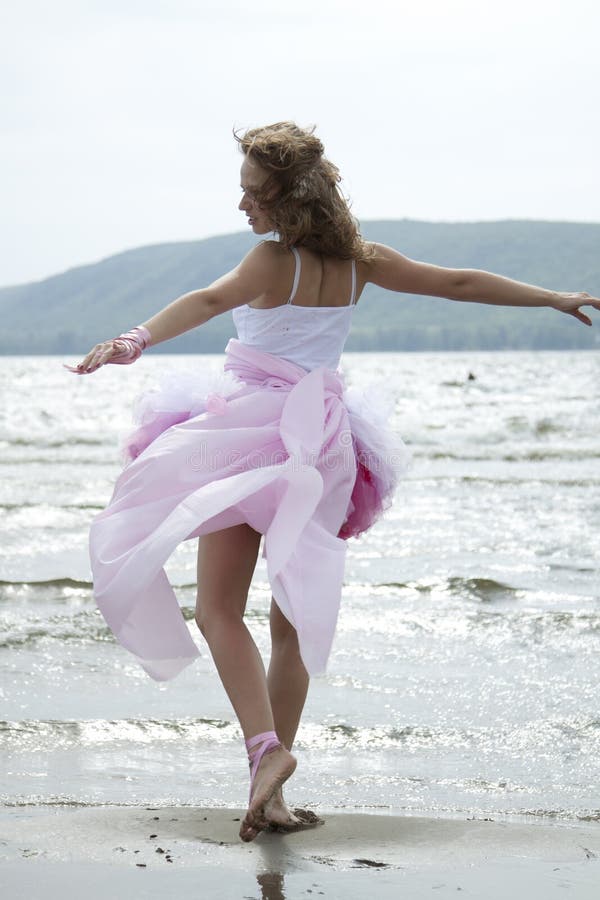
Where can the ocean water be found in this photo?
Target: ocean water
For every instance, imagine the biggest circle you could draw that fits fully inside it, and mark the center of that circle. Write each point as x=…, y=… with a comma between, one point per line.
x=464, y=675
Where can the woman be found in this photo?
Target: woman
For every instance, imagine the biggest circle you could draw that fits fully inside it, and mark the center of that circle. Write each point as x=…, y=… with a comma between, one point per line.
x=280, y=451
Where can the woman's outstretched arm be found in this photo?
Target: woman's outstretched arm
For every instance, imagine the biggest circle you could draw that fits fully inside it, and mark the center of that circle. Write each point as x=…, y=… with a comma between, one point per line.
x=395, y=272
x=241, y=285
x=244, y=283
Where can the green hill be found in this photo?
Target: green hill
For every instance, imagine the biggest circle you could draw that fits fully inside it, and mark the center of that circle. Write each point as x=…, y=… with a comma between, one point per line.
x=69, y=312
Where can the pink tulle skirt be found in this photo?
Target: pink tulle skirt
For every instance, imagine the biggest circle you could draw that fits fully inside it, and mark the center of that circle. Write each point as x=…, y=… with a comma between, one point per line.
x=305, y=461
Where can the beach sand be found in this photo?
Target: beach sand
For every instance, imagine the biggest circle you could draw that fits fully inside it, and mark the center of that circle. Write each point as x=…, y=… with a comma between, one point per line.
x=130, y=852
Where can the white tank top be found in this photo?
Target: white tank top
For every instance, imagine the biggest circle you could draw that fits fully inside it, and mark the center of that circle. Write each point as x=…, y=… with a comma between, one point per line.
x=310, y=336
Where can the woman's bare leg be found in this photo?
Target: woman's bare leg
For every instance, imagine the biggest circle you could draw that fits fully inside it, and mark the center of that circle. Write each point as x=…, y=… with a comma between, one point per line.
x=288, y=683
x=287, y=680
x=226, y=561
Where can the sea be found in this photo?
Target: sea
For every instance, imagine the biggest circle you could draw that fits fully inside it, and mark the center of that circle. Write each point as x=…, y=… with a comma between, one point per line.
x=464, y=677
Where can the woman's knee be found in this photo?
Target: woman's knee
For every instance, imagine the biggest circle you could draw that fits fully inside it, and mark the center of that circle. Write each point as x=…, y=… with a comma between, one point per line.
x=283, y=633
x=200, y=619
x=217, y=615
x=226, y=561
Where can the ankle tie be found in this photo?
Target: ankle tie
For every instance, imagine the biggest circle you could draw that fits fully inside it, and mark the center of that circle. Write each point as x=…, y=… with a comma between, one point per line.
x=257, y=747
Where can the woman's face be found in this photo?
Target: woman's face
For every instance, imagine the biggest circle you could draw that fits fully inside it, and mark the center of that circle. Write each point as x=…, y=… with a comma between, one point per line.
x=252, y=176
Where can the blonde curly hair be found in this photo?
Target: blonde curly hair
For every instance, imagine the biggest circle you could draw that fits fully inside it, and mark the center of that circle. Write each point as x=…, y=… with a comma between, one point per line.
x=302, y=193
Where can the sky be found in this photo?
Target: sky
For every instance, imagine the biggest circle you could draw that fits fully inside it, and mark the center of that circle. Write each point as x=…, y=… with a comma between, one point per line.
x=116, y=116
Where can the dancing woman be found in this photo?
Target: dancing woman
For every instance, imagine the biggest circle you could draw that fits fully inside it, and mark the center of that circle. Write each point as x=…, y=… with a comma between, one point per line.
x=278, y=449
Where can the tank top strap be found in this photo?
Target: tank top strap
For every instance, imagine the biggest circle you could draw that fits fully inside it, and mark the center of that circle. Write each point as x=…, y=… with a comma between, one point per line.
x=353, y=292
x=297, y=271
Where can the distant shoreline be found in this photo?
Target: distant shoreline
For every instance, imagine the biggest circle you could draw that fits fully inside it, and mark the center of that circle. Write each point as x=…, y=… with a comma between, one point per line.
x=182, y=353
x=84, y=305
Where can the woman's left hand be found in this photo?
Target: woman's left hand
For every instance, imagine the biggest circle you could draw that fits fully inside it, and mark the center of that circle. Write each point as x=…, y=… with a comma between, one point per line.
x=571, y=303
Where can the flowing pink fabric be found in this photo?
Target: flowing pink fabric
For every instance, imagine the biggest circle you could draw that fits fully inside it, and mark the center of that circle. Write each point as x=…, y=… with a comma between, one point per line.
x=282, y=452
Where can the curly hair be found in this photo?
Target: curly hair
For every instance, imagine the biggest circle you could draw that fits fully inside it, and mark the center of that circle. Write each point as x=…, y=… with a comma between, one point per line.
x=302, y=193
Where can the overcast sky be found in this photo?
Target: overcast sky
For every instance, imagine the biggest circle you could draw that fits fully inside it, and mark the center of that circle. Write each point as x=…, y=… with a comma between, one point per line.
x=116, y=115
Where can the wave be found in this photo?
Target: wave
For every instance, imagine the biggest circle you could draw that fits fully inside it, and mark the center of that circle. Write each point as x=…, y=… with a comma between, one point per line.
x=25, y=505
x=31, y=734
x=569, y=733
x=88, y=628
x=82, y=627
x=22, y=461
x=475, y=605
x=52, y=582
x=72, y=441
x=486, y=590
x=529, y=479
x=573, y=453
x=471, y=812
x=91, y=804
x=522, y=425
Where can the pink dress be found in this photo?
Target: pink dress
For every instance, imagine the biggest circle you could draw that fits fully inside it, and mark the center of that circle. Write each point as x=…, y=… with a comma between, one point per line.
x=277, y=442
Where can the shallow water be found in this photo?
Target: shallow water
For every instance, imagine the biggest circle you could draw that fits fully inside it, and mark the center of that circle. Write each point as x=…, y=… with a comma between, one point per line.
x=464, y=674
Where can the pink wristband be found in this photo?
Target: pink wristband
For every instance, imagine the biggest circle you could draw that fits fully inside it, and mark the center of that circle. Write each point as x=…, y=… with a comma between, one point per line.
x=135, y=342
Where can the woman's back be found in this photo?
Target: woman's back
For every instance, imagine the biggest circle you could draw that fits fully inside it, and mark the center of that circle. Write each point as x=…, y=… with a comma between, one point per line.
x=324, y=281
x=310, y=327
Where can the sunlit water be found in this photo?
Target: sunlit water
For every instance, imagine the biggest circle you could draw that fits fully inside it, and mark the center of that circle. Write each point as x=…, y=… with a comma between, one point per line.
x=464, y=676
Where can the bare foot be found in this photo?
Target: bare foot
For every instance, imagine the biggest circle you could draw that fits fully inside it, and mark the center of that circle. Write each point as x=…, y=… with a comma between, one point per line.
x=277, y=812
x=286, y=821
x=275, y=768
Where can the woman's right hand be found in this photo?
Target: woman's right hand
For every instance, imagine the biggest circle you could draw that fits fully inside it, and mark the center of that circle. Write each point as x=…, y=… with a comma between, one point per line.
x=122, y=350
x=98, y=356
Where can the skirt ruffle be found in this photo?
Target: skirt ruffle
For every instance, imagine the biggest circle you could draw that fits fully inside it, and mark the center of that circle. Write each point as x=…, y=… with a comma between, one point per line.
x=381, y=456
x=304, y=461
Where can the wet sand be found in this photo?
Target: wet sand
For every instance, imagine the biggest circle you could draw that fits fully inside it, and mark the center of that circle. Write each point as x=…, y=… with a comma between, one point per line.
x=146, y=853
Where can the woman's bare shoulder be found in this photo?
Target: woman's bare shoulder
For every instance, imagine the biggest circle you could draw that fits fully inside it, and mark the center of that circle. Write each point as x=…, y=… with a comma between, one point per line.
x=266, y=257
x=273, y=249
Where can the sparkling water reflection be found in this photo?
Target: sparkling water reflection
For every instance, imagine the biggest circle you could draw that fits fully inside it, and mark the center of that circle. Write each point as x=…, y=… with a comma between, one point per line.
x=465, y=669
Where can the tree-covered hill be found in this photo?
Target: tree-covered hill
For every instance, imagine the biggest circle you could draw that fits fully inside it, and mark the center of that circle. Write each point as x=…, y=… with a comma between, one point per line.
x=69, y=312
